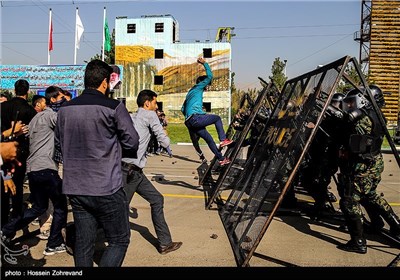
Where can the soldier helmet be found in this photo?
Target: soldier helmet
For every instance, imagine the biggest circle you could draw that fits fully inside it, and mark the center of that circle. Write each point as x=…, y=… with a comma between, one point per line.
x=337, y=99
x=355, y=99
x=377, y=93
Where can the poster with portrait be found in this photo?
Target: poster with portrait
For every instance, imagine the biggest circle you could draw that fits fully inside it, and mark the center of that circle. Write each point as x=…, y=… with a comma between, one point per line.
x=115, y=78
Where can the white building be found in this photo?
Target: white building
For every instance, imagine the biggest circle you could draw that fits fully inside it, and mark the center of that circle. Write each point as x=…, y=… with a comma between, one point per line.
x=153, y=58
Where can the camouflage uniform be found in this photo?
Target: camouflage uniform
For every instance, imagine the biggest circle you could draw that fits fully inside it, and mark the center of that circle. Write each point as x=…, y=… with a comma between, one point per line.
x=363, y=176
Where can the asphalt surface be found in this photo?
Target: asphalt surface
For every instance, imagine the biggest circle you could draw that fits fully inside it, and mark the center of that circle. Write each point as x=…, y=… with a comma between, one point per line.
x=291, y=241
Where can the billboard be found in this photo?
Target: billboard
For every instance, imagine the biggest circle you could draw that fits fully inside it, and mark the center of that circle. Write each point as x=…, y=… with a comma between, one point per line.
x=42, y=76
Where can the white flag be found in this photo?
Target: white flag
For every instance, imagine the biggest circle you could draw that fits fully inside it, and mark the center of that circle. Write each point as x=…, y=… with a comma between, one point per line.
x=78, y=30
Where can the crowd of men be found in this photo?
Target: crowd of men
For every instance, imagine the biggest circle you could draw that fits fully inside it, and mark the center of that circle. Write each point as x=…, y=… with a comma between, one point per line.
x=72, y=150
x=90, y=151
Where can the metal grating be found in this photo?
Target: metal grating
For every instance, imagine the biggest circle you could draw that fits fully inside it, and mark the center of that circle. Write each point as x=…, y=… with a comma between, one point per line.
x=255, y=190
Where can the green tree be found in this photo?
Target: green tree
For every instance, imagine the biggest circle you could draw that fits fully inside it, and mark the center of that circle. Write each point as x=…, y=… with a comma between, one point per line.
x=109, y=57
x=344, y=86
x=233, y=86
x=235, y=96
x=278, y=73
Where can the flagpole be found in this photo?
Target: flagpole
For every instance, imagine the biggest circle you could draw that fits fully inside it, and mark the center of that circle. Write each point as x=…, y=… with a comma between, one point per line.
x=76, y=33
x=102, y=45
x=50, y=39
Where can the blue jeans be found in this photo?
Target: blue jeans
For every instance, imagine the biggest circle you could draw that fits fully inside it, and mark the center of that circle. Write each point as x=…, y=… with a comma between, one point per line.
x=198, y=123
x=109, y=212
x=142, y=186
x=44, y=185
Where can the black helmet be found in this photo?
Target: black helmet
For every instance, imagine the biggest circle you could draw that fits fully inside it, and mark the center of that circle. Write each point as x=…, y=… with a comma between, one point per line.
x=337, y=99
x=377, y=93
x=355, y=99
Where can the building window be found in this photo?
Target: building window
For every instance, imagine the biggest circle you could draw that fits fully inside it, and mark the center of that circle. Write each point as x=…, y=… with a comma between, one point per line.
x=131, y=27
x=207, y=106
x=207, y=53
x=158, y=79
x=158, y=53
x=159, y=27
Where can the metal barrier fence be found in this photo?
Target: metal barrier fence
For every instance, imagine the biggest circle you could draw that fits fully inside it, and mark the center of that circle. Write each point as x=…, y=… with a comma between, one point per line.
x=250, y=189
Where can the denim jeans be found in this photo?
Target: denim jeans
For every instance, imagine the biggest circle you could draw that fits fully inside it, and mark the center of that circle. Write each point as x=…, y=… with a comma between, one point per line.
x=143, y=187
x=198, y=124
x=44, y=185
x=109, y=212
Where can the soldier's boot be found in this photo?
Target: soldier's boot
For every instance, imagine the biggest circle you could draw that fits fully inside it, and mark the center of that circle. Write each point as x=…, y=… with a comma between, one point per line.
x=357, y=243
x=375, y=219
x=394, y=222
x=331, y=196
x=376, y=224
x=320, y=198
x=289, y=200
x=317, y=209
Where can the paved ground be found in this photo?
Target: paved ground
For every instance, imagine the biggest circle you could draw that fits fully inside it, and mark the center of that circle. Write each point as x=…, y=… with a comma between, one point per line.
x=290, y=241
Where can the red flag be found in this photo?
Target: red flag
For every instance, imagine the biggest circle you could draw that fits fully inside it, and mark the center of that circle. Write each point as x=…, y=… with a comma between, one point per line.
x=51, y=36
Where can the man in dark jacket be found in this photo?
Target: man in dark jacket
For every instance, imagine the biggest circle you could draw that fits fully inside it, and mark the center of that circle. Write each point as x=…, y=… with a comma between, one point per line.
x=92, y=131
x=16, y=109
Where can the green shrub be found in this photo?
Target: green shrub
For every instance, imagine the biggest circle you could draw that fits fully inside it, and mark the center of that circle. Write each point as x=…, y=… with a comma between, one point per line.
x=178, y=133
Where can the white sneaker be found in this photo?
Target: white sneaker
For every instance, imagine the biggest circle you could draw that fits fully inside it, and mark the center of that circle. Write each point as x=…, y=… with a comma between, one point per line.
x=35, y=222
x=44, y=235
x=57, y=250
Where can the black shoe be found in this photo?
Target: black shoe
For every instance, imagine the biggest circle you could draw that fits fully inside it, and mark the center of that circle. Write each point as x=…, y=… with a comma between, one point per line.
x=169, y=248
x=344, y=227
x=331, y=197
x=357, y=246
x=323, y=210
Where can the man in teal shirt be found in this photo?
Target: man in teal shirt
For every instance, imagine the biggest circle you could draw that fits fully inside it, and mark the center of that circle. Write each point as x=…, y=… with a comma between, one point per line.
x=196, y=120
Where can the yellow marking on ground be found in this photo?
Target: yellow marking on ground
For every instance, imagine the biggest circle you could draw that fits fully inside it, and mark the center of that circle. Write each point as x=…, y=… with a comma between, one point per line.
x=184, y=195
